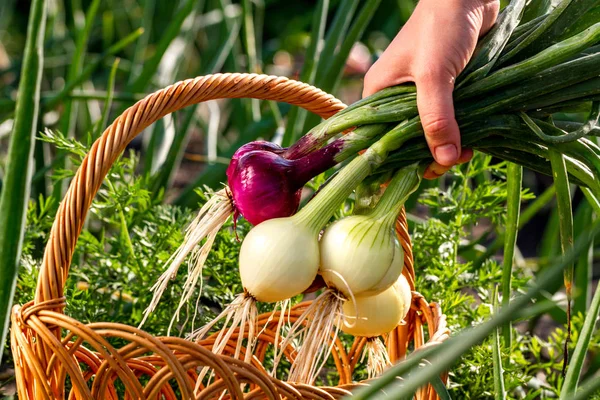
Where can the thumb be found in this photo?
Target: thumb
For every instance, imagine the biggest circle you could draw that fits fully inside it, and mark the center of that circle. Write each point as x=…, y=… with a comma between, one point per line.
x=436, y=109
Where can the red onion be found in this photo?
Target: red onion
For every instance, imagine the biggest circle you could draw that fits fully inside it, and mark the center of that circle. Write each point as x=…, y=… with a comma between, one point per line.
x=266, y=185
x=252, y=146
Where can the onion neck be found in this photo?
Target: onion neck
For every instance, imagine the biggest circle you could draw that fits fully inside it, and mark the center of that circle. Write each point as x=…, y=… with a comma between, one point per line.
x=405, y=182
x=322, y=207
x=315, y=163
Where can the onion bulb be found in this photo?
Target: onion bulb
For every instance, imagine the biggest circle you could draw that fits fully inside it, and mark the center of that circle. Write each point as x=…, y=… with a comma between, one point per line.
x=360, y=254
x=279, y=259
x=266, y=181
x=373, y=316
x=402, y=287
x=266, y=185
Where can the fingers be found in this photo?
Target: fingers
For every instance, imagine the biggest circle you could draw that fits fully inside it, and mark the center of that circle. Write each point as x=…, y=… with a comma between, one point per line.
x=376, y=78
x=436, y=170
x=391, y=69
x=490, y=14
x=431, y=50
x=434, y=101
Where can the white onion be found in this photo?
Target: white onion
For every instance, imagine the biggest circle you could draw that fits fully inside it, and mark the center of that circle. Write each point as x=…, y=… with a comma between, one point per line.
x=402, y=287
x=379, y=314
x=360, y=254
x=279, y=259
x=392, y=275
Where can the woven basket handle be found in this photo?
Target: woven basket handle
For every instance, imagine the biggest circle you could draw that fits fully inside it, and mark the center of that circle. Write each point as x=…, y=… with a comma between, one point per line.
x=88, y=179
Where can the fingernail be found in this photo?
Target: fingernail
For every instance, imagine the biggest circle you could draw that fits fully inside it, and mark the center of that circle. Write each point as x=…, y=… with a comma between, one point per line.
x=446, y=154
x=437, y=169
x=431, y=173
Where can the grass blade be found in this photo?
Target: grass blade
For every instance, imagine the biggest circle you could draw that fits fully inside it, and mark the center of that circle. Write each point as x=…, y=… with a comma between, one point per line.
x=87, y=71
x=76, y=65
x=15, y=194
x=592, y=199
x=331, y=76
x=583, y=343
x=499, y=388
x=337, y=32
x=164, y=175
x=591, y=387
x=160, y=136
x=440, y=388
x=584, y=268
x=445, y=354
x=250, y=45
x=259, y=26
x=224, y=50
x=334, y=72
x=565, y=219
x=172, y=31
x=513, y=206
x=148, y=7
x=249, y=37
x=535, y=207
x=549, y=245
x=297, y=116
x=101, y=124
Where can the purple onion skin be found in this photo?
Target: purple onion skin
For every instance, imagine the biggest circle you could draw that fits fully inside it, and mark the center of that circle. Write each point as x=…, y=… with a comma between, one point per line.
x=265, y=185
x=261, y=188
x=252, y=146
x=304, y=146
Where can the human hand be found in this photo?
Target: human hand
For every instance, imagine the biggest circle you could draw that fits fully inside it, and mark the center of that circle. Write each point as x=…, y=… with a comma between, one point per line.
x=432, y=48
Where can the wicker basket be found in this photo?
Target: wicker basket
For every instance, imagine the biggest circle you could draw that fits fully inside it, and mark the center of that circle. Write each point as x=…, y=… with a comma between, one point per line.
x=57, y=356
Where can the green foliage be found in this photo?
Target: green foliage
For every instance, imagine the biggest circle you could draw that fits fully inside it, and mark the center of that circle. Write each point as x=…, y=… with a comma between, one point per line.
x=464, y=291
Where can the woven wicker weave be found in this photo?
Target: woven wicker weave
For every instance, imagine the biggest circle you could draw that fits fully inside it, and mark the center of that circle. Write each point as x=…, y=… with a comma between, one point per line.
x=58, y=357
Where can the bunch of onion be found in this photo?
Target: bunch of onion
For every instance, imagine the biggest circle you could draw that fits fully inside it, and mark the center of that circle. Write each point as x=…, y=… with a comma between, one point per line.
x=281, y=257
x=506, y=102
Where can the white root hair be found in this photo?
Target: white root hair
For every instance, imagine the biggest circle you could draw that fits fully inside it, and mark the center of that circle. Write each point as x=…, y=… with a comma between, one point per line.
x=377, y=357
x=322, y=319
x=239, y=315
x=207, y=224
